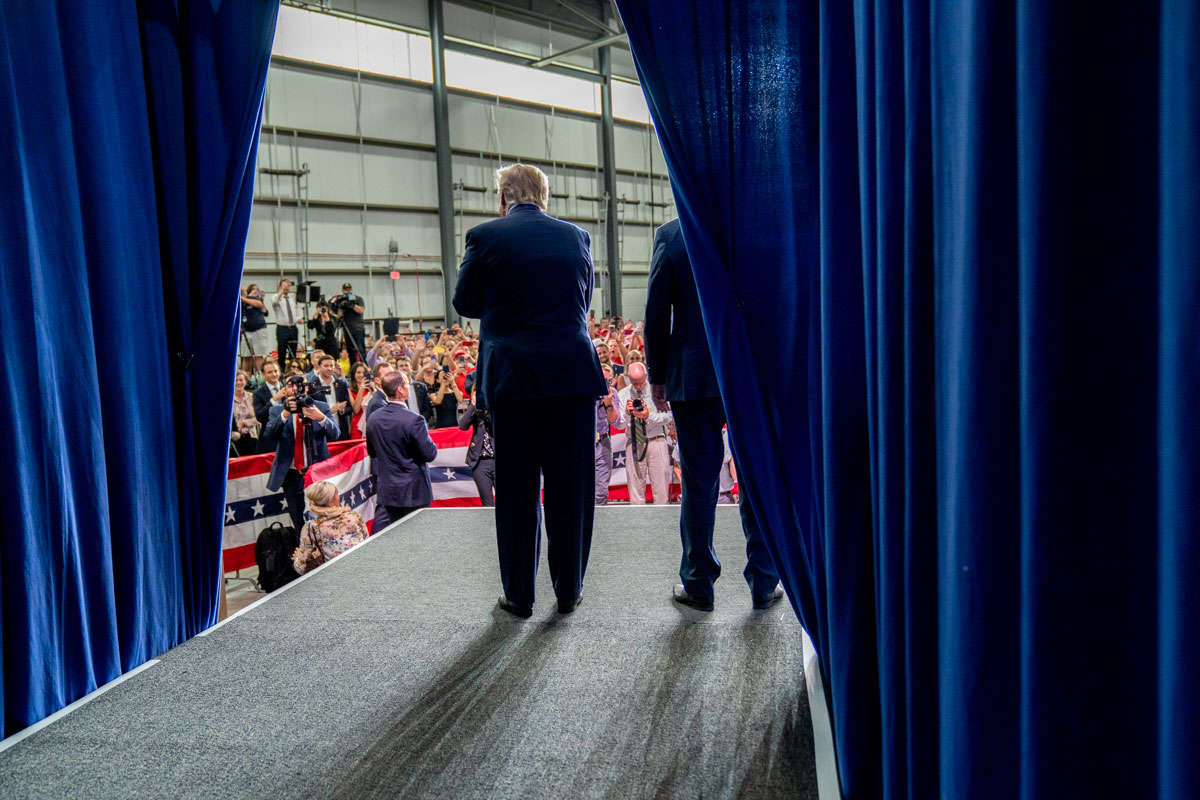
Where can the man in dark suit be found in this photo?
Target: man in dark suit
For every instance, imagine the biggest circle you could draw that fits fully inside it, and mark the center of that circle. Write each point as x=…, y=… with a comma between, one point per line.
x=681, y=371
x=269, y=392
x=299, y=435
x=528, y=277
x=400, y=449
x=337, y=391
x=378, y=399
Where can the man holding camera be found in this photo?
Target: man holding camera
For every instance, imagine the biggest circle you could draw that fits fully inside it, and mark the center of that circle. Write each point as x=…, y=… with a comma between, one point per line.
x=324, y=328
x=647, y=452
x=255, y=337
x=528, y=278
x=682, y=372
x=350, y=308
x=299, y=427
x=286, y=332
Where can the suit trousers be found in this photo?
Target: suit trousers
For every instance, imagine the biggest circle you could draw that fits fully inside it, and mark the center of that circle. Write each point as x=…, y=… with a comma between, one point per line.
x=550, y=437
x=654, y=468
x=286, y=337
x=701, y=451
x=293, y=493
x=485, y=481
x=603, y=469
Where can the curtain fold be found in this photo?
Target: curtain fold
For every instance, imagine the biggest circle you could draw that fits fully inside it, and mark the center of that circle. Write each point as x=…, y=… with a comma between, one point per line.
x=948, y=255
x=107, y=558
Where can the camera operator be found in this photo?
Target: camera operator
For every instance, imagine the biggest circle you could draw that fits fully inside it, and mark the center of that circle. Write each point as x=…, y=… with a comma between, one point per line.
x=286, y=333
x=350, y=308
x=608, y=416
x=647, y=454
x=324, y=328
x=299, y=428
x=334, y=391
x=256, y=339
x=481, y=454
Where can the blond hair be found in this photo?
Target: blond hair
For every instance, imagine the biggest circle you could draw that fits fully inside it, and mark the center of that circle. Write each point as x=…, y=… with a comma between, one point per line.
x=521, y=183
x=322, y=494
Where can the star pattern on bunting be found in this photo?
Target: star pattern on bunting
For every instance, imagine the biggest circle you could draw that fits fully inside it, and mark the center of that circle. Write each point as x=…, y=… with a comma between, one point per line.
x=257, y=508
x=229, y=515
x=618, y=459
x=449, y=473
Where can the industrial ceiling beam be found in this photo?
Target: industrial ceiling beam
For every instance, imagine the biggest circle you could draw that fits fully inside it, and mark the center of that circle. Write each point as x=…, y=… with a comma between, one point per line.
x=602, y=26
x=583, y=48
x=445, y=178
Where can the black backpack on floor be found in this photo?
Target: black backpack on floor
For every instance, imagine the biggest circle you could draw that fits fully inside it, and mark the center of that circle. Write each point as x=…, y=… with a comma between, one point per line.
x=273, y=554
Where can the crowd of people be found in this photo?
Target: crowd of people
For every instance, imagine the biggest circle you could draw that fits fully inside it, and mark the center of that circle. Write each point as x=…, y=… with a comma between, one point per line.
x=440, y=366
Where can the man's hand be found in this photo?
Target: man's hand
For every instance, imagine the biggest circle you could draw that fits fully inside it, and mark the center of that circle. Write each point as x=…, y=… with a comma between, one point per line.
x=607, y=401
x=340, y=406
x=629, y=405
x=658, y=393
x=643, y=414
x=313, y=413
x=275, y=398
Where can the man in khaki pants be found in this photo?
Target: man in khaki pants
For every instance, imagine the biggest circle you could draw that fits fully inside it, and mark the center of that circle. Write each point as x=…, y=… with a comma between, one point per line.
x=647, y=451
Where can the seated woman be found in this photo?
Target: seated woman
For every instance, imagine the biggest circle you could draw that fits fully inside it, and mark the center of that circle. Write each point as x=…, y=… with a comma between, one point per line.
x=335, y=530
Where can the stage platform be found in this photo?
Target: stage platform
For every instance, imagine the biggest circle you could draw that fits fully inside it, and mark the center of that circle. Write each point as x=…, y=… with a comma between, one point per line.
x=388, y=673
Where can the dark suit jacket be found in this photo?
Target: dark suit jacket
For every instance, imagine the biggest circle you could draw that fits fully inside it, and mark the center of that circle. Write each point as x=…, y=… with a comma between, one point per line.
x=471, y=417
x=282, y=435
x=400, y=449
x=262, y=403
x=677, y=351
x=528, y=278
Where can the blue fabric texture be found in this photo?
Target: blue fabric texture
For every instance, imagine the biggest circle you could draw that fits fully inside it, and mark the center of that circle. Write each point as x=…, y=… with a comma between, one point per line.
x=129, y=134
x=948, y=262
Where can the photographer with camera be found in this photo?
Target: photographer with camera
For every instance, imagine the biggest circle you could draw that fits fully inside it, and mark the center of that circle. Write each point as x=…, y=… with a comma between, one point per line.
x=481, y=454
x=299, y=427
x=324, y=328
x=256, y=340
x=349, y=308
x=334, y=391
x=445, y=399
x=647, y=453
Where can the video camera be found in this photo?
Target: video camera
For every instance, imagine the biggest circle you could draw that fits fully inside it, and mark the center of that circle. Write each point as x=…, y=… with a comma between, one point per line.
x=306, y=393
x=341, y=303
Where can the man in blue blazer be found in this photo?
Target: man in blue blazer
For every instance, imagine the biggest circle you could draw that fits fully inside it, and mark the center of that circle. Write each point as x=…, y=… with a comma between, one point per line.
x=400, y=449
x=294, y=454
x=681, y=371
x=528, y=277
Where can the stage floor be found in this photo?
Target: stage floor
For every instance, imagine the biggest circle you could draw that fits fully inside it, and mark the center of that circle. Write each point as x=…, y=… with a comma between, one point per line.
x=388, y=673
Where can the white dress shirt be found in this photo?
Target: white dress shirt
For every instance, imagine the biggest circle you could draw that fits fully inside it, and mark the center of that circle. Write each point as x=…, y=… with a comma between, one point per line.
x=656, y=423
x=285, y=309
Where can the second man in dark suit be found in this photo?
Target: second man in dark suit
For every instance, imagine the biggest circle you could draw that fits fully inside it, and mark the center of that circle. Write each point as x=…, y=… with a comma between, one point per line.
x=681, y=371
x=528, y=277
x=400, y=449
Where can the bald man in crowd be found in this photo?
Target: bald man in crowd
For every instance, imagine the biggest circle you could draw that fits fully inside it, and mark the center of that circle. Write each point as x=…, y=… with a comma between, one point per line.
x=647, y=451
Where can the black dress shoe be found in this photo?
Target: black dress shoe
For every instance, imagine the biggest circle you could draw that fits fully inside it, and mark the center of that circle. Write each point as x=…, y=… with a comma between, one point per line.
x=567, y=608
x=763, y=602
x=524, y=612
x=681, y=596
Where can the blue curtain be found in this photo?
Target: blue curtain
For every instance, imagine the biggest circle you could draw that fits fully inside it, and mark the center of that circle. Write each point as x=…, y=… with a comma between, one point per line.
x=128, y=133
x=948, y=254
